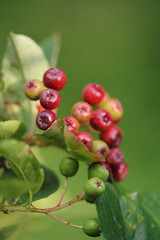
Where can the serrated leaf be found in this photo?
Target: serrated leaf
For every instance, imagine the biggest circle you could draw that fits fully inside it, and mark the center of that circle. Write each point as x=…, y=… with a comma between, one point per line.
x=23, y=163
x=110, y=215
x=23, y=60
x=59, y=135
x=140, y=214
x=12, y=129
x=51, y=47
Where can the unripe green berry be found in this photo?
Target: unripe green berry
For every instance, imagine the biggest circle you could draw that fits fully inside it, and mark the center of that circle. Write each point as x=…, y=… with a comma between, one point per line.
x=94, y=187
x=92, y=227
x=114, y=107
x=98, y=171
x=68, y=167
x=33, y=89
x=100, y=148
x=89, y=199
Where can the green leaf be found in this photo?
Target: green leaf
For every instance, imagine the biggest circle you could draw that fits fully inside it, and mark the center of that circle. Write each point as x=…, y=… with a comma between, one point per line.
x=23, y=60
x=7, y=232
x=59, y=135
x=51, y=47
x=23, y=163
x=50, y=185
x=12, y=129
x=129, y=215
x=110, y=215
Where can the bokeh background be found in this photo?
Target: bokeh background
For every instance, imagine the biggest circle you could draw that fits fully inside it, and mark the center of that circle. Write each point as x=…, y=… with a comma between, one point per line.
x=113, y=43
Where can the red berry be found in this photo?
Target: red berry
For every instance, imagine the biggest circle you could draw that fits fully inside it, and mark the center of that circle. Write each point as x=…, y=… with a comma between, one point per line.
x=50, y=99
x=121, y=172
x=55, y=78
x=115, y=157
x=104, y=99
x=86, y=139
x=114, y=107
x=82, y=111
x=72, y=124
x=112, y=136
x=45, y=119
x=101, y=119
x=93, y=93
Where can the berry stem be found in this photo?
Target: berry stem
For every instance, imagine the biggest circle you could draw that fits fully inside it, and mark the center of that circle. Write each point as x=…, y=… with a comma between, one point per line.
x=63, y=221
x=63, y=192
x=74, y=200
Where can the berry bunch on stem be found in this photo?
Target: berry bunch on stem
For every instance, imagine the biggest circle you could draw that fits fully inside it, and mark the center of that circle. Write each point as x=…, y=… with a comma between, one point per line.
x=102, y=120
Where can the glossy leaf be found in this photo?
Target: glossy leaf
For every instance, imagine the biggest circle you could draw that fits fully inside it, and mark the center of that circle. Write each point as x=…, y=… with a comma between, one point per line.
x=59, y=135
x=51, y=47
x=23, y=163
x=23, y=60
x=12, y=129
x=128, y=215
x=110, y=215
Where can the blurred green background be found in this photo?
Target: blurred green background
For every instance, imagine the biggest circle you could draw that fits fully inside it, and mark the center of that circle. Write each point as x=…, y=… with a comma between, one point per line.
x=115, y=44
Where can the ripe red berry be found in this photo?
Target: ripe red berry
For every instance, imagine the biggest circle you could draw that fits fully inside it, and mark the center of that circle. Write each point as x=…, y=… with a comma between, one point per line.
x=86, y=139
x=82, y=111
x=93, y=93
x=45, y=119
x=121, y=172
x=101, y=119
x=115, y=157
x=72, y=124
x=114, y=107
x=55, y=78
x=50, y=99
x=112, y=136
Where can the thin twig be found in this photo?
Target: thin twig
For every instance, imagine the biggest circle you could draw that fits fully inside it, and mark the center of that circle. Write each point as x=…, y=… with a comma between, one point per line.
x=63, y=192
x=63, y=221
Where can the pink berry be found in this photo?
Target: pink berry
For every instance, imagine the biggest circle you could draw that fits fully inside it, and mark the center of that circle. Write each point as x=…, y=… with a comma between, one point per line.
x=72, y=124
x=121, y=172
x=115, y=157
x=86, y=139
x=114, y=107
x=50, y=99
x=45, y=119
x=82, y=111
x=101, y=119
x=93, y=93
x=112, y=136
x=55, y=78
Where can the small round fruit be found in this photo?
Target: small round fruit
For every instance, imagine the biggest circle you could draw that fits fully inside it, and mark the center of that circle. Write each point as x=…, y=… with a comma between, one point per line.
x=91, y=227
x=114, y=107
x=86, y=139
x=33, y=89
x=50, y=99
x=115, y=157
x=106, y=166
x=93, y=93
x=121, y=172
x=55, y=78
x=68, y=167
x=100, y=148
x=112, y=136
x=94, y=187
x=101, y=119
x=98, y=171
x=45, y=119
x=82, y=111
x=104, y=99
x=72, y=124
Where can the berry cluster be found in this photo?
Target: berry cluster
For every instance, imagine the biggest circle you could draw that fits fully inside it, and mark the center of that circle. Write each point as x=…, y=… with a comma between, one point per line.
x=102, y=119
